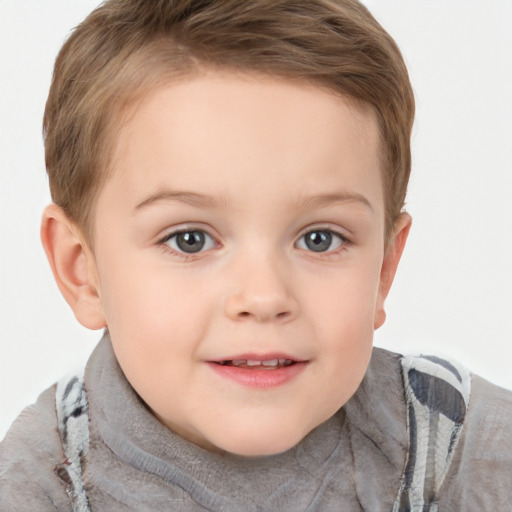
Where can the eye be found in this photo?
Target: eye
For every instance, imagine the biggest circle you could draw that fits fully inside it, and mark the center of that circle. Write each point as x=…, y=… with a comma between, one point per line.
x=189, y=241
x=321, y=240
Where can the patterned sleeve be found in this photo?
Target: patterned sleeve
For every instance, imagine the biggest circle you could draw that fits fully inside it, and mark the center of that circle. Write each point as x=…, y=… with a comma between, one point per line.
x=28, y=456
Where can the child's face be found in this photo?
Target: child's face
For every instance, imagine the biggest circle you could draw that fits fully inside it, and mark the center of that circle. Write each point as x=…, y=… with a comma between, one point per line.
x=243, y=226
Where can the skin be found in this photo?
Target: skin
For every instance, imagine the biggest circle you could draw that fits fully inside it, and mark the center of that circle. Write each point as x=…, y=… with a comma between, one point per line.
x=255, y=164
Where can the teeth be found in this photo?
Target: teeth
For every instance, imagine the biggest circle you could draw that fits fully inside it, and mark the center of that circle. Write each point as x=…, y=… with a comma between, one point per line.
x=270, y=363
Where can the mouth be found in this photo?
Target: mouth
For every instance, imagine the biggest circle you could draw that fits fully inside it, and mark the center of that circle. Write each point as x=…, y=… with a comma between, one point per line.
x=256, y=364
x=259, y=371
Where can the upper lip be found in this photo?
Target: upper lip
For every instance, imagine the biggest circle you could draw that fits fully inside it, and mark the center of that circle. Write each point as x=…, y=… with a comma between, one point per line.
x=258, y=357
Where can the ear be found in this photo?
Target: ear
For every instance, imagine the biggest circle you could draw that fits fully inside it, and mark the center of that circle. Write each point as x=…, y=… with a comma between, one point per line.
x=73, y=266
x=392, y=256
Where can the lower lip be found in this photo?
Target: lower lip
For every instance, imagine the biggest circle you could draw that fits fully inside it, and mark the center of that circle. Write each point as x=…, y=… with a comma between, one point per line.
x=259, y=378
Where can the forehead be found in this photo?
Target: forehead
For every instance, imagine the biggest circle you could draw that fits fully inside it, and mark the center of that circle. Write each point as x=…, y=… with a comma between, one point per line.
x=220, y=133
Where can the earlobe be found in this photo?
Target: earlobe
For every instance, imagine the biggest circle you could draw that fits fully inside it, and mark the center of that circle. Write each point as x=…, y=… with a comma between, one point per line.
x=390, y=264
x=72, y=265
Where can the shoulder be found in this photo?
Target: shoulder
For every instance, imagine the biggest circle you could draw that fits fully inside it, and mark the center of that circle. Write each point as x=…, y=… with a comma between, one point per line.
x=480, y=477
x=490, y=404
x=490, y=415
x=474, y=416
x=28, y=455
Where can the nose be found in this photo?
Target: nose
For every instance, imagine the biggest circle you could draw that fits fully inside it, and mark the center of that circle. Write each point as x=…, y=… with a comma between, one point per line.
x=261, y=291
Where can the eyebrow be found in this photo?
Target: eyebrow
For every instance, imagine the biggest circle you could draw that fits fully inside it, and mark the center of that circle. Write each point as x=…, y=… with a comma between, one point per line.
x=205, y=201
x=192, y=198
x=321, y=200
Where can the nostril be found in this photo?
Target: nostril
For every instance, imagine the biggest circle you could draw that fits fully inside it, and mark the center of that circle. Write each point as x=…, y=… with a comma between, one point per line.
x=245, y=314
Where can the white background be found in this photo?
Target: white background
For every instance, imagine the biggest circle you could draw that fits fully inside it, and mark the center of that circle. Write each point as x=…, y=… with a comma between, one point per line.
x=452, y=294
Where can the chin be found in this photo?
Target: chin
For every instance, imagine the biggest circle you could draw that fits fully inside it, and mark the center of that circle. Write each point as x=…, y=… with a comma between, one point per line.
x=259, y=443
x=260, y=449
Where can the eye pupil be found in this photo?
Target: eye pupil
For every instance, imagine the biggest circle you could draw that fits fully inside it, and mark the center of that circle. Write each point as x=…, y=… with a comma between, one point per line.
x=318, y=241
x=190, y=241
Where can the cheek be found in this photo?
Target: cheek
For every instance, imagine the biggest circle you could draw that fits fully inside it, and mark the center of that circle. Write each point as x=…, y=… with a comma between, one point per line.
x=345, y=300
x=343, y=311
x=156, y=317
x=143, y=294
x=154, y=335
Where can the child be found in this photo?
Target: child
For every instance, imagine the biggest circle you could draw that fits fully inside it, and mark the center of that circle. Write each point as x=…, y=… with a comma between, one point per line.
x=228, y=182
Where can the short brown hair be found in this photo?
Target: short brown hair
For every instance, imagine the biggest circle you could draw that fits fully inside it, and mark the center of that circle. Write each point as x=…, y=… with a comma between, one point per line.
x=126, y=47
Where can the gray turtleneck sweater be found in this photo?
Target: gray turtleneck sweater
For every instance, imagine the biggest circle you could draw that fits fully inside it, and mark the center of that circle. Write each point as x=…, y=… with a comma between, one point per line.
x=352, y=462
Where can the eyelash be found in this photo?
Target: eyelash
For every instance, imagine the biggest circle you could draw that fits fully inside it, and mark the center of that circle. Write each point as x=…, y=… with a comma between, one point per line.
x=176, y=251
x=164, y=243
x=343, y=241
